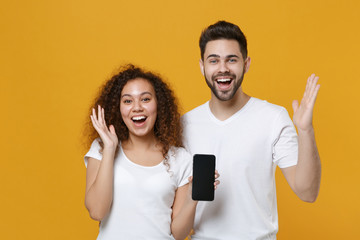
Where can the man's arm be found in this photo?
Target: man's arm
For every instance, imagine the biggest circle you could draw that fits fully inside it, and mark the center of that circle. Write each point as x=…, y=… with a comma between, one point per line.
x=304, y=178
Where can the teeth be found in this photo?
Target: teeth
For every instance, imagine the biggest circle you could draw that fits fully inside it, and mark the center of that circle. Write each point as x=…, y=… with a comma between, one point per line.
x=224, y=80
x=138, y=118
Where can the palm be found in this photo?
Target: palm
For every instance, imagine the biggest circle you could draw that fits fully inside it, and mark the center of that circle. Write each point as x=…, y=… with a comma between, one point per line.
x=107, y=135
x=303, y=114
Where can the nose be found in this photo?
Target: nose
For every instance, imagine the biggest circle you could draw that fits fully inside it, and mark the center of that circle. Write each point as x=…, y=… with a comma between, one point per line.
x=223, y=67
x=137, y=106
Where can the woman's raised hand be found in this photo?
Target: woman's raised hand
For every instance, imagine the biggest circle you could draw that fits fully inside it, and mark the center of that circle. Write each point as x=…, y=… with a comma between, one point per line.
x=107, y=135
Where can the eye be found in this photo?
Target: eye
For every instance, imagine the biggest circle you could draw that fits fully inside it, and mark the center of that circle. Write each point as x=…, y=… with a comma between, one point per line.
x=127, y=101
x=232, y=60
x=213, y=61
x=146, y=99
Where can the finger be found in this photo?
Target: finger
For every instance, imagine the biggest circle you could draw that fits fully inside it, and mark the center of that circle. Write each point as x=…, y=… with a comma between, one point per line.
x=216, y=183
x=313, y=86
x=94, y=113
x=307, y=86
x=93, y=116
x=314, y=96
x=190, y=179
x=112, y=130
x=295, y=105
x=103, y=116
x=94, y=123
x=97, y=119
x=99, y=114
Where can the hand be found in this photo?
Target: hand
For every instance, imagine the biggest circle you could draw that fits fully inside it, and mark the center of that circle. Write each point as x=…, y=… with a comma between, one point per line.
x=107, y=135
x=303, y=114
x=216, y=182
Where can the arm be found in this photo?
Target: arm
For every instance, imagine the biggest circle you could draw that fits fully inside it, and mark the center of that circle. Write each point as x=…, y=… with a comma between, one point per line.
x=304, y=178
x=184, y=210
x=100, y=174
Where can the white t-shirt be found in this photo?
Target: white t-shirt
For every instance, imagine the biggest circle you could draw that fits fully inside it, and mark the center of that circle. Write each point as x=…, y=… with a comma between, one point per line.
x=248, y=146
x=143, y=196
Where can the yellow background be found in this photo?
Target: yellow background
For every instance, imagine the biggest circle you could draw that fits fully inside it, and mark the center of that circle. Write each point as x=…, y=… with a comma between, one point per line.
x=55, y=54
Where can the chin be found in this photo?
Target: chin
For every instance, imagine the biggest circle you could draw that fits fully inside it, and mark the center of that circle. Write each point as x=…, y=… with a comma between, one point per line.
x=141, y=132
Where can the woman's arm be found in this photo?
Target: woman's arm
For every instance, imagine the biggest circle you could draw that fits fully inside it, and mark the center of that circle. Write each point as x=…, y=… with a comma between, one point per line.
x=99, y=186
x=100, y=174
x=184, y=210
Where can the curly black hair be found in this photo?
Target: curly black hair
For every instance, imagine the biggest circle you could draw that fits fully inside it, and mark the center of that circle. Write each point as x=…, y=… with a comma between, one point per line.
x=168, y=127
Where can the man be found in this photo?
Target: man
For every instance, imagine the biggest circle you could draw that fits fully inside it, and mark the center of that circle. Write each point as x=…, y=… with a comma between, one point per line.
x=249, y=138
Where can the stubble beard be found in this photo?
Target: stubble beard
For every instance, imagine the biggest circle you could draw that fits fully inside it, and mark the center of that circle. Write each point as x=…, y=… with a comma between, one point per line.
x=224, y=95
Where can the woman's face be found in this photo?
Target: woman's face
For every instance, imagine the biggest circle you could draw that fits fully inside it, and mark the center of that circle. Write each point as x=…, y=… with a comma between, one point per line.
x=138, y=107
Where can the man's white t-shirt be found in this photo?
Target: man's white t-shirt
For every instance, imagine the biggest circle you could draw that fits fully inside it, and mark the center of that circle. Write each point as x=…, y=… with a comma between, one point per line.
x=248, y=146
x=143, y=196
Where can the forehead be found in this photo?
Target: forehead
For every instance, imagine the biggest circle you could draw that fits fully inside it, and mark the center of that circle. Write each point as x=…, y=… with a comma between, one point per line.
x=222, y=48
x=138, y=86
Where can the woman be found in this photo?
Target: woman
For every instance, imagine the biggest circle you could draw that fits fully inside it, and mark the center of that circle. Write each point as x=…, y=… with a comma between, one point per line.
x=137, y=173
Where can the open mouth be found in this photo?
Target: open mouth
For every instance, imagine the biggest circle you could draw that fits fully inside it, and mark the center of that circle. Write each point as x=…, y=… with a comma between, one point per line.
x=224, y=82
x=139, y=119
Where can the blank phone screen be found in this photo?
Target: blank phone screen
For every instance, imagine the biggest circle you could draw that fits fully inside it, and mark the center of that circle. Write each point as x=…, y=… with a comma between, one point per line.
x=203, y=177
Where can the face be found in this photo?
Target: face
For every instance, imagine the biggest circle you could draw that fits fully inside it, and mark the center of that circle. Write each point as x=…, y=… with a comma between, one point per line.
x=138, y=107
x=224, y=67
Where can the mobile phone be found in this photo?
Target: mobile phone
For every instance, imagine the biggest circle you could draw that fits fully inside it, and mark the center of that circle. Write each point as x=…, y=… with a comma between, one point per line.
x=203, y=177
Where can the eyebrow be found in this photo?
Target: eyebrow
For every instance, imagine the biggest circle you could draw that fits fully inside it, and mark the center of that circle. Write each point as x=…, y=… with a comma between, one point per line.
x=129, y=95
x=218, y=56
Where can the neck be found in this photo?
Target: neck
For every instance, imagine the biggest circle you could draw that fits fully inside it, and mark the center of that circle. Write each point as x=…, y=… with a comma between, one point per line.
x=140, y=142
x=222, y=110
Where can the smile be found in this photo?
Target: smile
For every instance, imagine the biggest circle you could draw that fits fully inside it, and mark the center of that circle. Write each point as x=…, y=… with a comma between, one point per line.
x=224, y=83
x=139, y=119
x=224, y=80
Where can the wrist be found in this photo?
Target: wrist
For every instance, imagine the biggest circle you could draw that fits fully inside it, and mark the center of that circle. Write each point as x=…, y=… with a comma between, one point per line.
x=307, y=131
x=109, y=149
x=191, y=201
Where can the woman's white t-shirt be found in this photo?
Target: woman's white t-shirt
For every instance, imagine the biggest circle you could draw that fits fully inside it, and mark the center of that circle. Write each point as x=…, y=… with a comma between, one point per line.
x=143, y=196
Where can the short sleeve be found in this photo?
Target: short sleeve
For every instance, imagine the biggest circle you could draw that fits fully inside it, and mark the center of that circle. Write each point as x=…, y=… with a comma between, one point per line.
x=182, y=166
x=94, y=151
x=285, y=146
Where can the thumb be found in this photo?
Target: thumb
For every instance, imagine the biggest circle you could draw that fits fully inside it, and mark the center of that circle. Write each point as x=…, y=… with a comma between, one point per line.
x=295, y=105
x=112, y=129
x=190, y=179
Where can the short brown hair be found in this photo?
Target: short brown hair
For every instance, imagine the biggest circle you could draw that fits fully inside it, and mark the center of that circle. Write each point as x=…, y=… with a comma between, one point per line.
x=223, y=30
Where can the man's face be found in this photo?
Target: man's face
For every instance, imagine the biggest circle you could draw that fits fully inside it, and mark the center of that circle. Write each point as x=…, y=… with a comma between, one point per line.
x=223, y=67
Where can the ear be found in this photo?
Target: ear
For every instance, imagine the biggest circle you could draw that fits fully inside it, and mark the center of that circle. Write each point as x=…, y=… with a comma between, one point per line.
x=201, y=63
x=247, y=64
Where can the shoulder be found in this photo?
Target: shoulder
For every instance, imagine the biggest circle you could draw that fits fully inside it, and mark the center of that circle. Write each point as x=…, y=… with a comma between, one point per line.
x=266, y=106
x=179, y=158
x=94, y=151
x=263, y=109
x=196, y=112
x=180, y=162
x=179, y=154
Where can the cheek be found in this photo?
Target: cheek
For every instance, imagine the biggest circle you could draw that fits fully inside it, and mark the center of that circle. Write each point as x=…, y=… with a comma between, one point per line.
x=153, y=109
x=239, y=69
x=208, y=72
x=124, y=111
